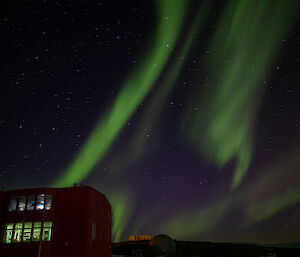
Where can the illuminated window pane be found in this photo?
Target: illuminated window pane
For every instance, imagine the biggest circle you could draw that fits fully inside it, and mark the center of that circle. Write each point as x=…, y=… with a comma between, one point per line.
x=27, y=232
x=31, y=202
x=48, y=204
x=18, y=232
x=22, y=203
x=46, y=234
x=7, y=235
x=9, y=226
x=40, y=202
x=36, y=231
x=47, y=229
x=28, y=225
x=36, y=234
x=26, y=235
x=94, y=231
x=19, y=225
x=12, y=205
x=37, y=224
x=47, y=224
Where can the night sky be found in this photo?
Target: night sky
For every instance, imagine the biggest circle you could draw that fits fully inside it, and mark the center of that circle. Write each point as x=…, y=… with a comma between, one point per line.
x=185, y=114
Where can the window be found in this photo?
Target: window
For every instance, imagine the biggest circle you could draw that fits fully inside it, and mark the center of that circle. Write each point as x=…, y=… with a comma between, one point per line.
x=22, y=203
x=36, y=231
x=47, y=227
x=48, y=203
x=93, y=231
x=12, y=204
x=27, y=232
x=7, y=237
x=18, y=232
x=40, y=202
x=30, y=202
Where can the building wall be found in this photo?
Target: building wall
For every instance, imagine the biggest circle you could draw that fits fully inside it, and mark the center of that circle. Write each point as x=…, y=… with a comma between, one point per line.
x=74, y=214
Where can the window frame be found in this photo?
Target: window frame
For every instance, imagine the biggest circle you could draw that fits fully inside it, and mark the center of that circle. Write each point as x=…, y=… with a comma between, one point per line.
x=34, y=202
x=16, y=203
x=4, y=236
x=45, y=228
x=48, y=198
x=34, y=227
x=14, y=232
x=23, y=231
x=94, y=231
x=23, y=197
x=38, y=198
x=44, y=200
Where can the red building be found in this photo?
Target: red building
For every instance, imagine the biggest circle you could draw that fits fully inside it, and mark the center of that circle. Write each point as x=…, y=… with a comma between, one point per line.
x=55, y=222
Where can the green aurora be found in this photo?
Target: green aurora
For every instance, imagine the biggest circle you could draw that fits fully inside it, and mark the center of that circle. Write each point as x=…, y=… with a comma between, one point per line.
x=242, y=51
x=162, y=91
x=256, y=201
x=269, y=198
x=243, y=48
x=170, y=20
x=204, y=219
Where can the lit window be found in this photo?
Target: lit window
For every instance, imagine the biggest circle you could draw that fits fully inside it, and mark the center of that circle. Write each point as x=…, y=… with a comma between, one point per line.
x=30, y=202
x=36, y=231
x=12, y=205
x=93, y=231
x=8, y=233
x=40, y=202
x=27, y=232
x=22, y=203
x=31, y=232
x=47, y=227
x=48, y=203
x=18, y=232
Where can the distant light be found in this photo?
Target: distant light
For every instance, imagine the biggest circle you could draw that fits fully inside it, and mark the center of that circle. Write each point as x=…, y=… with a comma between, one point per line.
x=139, y=237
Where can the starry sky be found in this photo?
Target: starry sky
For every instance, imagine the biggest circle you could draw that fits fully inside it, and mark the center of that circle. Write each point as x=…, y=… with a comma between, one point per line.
x=184, y=113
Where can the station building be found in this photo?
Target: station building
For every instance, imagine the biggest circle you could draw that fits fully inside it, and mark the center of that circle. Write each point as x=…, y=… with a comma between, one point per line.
x=55, y=222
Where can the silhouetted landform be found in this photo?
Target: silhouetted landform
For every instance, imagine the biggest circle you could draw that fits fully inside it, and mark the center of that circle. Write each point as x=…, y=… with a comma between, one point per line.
x=186, y=248
x=283, y=245
x=163, y=245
